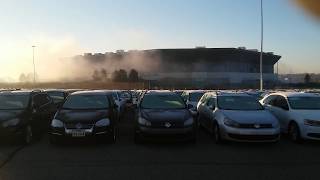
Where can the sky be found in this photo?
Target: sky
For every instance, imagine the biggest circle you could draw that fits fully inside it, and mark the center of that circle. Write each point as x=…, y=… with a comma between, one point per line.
x=63, y=28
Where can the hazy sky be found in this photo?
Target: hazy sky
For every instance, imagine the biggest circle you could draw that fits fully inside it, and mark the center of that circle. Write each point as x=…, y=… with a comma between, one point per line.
x=62, y=28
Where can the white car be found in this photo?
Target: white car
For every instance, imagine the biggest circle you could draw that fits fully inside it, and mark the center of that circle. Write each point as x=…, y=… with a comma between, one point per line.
x=237, y=117
x=298, y=113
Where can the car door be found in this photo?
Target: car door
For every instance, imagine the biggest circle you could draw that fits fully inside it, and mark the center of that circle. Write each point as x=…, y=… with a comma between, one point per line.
x=209, y=108
x=43, y=110
x=281, y=110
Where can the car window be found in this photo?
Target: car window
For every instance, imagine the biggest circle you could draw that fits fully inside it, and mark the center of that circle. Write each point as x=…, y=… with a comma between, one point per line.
x=304, y=102
x=281, y=102
x=211, y=102
x=162, y=101
x=270, y=99
x=9, y=102
x=195, y=97
x=56, y=96
x=239, y=103
x=86, y=102
x=41, y=99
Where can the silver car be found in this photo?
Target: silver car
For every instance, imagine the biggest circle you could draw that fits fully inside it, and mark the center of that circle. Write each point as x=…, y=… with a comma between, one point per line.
x=237, y=117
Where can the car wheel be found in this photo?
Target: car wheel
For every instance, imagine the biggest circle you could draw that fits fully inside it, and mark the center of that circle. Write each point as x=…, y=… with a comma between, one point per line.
x=216, y=134
x=294, y=133
x=28, y=135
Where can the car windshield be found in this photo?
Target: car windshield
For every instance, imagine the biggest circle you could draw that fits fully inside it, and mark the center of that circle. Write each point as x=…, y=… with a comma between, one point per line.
x=56, y=96
x=86, y=102
x=245, y=103
x=162, y=102
x=12, y=102
x=196, y=96
x=304, y=102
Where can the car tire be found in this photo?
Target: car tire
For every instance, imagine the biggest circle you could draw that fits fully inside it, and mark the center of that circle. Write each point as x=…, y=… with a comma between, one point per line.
x=216, y=134
x=294, y=133
x=27, y=137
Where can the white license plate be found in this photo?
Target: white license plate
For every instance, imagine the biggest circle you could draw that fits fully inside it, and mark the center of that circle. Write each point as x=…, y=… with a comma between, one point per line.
x=78, y=133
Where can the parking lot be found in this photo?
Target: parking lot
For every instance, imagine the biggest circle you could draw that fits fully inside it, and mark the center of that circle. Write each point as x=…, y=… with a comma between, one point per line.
x=160, y=160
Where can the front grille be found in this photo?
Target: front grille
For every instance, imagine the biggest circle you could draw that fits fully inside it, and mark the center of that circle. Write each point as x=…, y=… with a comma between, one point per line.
x=163, y=124
x=253, y=126
x=78, y=126
x=254, y=137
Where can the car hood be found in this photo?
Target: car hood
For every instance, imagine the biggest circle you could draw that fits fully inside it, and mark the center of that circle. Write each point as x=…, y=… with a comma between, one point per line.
x=307, y=114
x=6, y=115
x=85, y=116
x=177, y=115
x=251, y=117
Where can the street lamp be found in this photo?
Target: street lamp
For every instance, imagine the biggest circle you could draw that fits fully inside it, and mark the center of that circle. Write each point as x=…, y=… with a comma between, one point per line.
x=34, y=65
x=261, y=46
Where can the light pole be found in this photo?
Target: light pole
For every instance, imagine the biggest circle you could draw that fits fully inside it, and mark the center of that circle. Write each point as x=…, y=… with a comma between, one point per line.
x=261, y=46
x=34, y=65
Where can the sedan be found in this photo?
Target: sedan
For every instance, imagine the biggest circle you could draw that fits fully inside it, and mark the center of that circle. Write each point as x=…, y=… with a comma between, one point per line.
x=86, y=114
x=163, y=114
x=237, y=117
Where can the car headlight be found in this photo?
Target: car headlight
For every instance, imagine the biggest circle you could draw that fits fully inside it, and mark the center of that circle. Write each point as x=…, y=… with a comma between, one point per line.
x=103, y=122
x=11, y=122
x=189, y=122
x=57, y=123
x=231, y=123
x=143, y=121
x=310, y=122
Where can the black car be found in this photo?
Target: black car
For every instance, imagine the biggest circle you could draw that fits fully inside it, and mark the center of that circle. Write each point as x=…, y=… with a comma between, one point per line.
x=86, y=114
x=163, y=114
x=25, y=114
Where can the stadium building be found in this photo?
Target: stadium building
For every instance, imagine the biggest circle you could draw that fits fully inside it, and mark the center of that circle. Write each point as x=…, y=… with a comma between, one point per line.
x=201, y=67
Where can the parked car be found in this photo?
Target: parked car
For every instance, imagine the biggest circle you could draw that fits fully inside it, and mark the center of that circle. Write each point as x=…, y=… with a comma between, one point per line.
x=298, y=114
x=192, y=98
x=237, y=117
x=25, y=115
x=163, y=114
x=86, y=114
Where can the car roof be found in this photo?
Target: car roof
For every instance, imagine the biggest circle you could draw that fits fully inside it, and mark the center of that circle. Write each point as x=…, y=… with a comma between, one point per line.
x=93, y=92
x=25, y=91
x=227, y=93
x=162, y=92
x=296, y=94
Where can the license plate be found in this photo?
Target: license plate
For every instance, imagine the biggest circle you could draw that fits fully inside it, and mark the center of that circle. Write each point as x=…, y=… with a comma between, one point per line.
x=78, y=133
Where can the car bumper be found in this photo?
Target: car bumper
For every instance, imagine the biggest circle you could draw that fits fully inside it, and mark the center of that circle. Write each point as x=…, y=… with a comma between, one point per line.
x=89, y=133
x=180, y=133
x=250, y=135
x=310, y=132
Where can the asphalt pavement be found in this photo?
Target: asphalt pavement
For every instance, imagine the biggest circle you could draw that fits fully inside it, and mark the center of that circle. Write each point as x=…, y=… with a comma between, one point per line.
x=162, y=160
